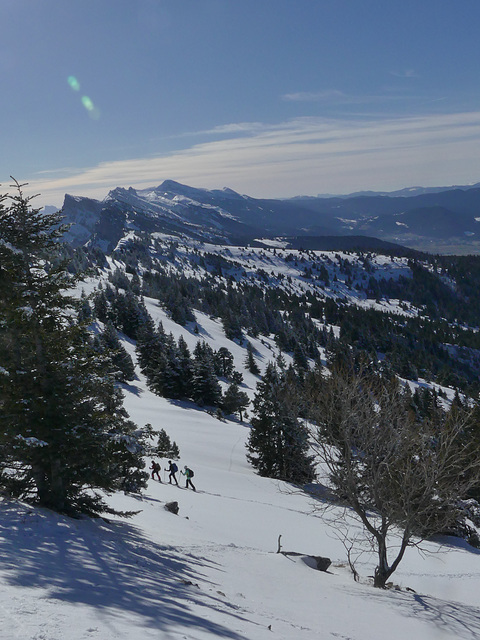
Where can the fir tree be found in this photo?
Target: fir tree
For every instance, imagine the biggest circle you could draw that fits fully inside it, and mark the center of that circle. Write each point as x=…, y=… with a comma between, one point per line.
x=278, y=443
x=205, y=387
x=130, y=314
x=235, y=401
x=122, y=362
x=100, y=306
x=64, y=432
x=250, y=361
x=237, y=376
x=224, y=363
x=165, y=447
x=185, y=364
x=174, y=451
x=170, y=376
x=150, y=349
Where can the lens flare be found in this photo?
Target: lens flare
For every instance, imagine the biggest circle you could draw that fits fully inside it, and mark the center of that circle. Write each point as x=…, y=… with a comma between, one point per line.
x=74, y=83
x=87, y=103
x=93, y=112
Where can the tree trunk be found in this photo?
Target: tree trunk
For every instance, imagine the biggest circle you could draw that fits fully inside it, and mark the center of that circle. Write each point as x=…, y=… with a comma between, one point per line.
x=50, y=487
x=382, y=571
x=57, y=487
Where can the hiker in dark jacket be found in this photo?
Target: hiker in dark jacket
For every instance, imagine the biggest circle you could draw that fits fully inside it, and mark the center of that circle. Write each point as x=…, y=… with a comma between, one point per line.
x=188, y=473
x=172, y=470
x=155, y=467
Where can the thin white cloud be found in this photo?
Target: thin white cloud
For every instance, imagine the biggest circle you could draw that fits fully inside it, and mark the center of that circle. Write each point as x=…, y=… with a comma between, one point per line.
x=63, y=170
x=334, y=97
x=306, y=155
x=225, y=129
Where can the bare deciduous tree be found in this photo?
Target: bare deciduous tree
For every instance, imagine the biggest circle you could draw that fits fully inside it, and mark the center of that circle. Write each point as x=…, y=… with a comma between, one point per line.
x=397, y=473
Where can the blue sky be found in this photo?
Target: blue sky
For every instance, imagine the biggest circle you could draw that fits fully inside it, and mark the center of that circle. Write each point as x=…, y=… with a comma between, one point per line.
x=273, y=98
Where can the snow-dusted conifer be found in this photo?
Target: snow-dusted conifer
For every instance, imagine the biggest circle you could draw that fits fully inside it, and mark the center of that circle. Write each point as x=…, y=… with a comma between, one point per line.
x=278, y=443
x=64, y=431
x=235, y=400
x=165, y=448
x=121, y=359
x=205, y=387
x=224, y=363
x=150, y=350
x=186, y=368
x=250, y=361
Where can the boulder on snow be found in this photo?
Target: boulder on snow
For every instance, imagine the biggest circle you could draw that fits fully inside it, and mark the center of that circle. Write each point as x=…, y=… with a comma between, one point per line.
x=316, y=562
x=172, y=507
x=322, y=563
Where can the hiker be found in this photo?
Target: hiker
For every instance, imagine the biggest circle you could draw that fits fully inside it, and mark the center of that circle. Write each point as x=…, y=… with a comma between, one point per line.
x=155, y=467
x=188, y=473
x=172, y=470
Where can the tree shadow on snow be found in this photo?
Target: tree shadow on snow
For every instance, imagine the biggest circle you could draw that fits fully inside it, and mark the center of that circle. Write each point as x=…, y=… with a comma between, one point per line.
x=454, y=543
x=132, y=388
x=200, y=332
x=112, y=567
x=456, y=619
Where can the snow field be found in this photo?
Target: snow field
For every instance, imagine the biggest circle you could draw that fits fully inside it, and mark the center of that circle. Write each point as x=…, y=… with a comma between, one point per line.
x=212, y=571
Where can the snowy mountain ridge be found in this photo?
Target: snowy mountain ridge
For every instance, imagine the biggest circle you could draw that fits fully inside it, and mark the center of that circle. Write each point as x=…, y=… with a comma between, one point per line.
x=427, y=221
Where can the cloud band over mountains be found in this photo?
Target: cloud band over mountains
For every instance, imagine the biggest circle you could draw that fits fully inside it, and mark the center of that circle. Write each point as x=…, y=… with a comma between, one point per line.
x=301, y=156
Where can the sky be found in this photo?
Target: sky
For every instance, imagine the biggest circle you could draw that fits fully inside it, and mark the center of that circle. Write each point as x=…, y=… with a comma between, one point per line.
x=272, y=98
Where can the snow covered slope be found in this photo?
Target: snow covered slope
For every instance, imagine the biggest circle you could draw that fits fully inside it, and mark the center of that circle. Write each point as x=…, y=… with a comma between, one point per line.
x=212, y=571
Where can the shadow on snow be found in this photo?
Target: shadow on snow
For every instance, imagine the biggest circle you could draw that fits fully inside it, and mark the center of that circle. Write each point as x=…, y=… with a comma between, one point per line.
x=454, y=618
x=109, y=566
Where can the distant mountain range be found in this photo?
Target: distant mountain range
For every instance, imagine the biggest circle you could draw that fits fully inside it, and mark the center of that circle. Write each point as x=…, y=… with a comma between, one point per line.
x=403, y=193
x=427, y=220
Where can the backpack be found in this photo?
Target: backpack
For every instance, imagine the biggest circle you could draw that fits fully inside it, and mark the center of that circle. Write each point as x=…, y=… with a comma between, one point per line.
x=174, y=468
x=191, y=473
x=156, y=467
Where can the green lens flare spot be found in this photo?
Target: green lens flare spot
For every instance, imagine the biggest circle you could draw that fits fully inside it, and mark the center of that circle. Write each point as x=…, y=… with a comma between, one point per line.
x=92, y=110
x=87, y=103
x=74, y=83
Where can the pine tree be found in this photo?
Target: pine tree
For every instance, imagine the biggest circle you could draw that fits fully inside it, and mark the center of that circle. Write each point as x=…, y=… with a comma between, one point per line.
x=150, y=349
x=64, y=432
x=224, y=363
x=165, y=447
x=164, y=444
x=278, y=443
x=121, y=359
x=205, y=387
x=186, y=368
x=130, y=314
x=235, y=401
x=170, y=378
x=250, y=361
x=174, y=451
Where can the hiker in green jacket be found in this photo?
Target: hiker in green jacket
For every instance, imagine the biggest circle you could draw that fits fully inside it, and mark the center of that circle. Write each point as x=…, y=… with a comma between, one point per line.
x=188, y=473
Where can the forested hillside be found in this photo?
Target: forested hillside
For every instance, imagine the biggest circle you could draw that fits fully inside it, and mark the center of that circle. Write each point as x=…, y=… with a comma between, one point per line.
x=418, y=316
